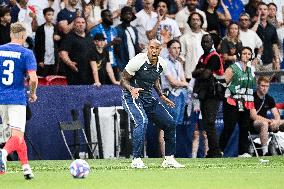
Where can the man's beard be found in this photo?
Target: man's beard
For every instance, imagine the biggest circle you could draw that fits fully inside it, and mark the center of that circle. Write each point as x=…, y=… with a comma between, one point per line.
x=191, y=7
x=108, y=22
x=79, y=31
x=100, y=49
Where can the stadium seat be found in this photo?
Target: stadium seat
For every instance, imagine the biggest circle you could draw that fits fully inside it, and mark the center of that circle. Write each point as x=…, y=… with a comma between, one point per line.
x=280, y=107
x=253, y=149
x=255, y=140
x=42, y=81
x=56, y=80
x=255, y=146
x=50, y=80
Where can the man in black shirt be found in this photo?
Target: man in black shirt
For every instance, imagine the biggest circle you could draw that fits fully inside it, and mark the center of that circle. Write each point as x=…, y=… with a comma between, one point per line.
x=261, y=121
x=74, y=52
x=267, y=33
x=5, y=25
x=208, y=65
x=100, y=64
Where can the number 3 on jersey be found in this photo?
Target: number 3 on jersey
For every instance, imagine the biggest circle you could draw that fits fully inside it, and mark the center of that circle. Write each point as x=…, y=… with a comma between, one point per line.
x=8, y=72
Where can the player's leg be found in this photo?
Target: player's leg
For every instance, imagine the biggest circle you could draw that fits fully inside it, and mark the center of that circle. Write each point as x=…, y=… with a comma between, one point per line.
x=17, y=122
x=209, y=109
x=161, y=143
x=161, y=117
x=137, y=114
x=262, y=128
x=281, y=125
x=3, y=153
x=205, y=142
x=195, y=141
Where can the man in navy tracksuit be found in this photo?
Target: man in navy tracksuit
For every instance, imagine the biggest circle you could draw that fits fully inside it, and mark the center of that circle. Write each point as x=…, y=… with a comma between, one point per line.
x=139, y=77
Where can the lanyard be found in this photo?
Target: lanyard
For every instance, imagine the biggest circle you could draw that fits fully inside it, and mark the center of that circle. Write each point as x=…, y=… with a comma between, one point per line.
x=111, y=55
x=104, y=32
x=261, y=105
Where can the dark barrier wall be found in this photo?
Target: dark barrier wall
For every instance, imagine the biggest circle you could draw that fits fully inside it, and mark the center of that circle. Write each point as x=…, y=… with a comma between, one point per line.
x=54, y=105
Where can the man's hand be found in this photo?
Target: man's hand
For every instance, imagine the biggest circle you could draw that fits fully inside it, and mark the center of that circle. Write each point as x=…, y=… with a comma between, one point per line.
x=274, y=123
x=87, y=11
x=56, y=37
x=97, y=84
x=161, y=16
x=32, y=97
x=135, y=92
x=255, y=61
x=276, y=65
x=78, y=13
x=142, y=46
x=167, y=101
x=116, y=83
x=73, y=66
x=32, y=15
x=115, y=41
x=41, y=64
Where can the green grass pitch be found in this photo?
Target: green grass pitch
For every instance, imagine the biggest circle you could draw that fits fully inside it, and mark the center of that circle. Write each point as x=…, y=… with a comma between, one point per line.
x=225, y=173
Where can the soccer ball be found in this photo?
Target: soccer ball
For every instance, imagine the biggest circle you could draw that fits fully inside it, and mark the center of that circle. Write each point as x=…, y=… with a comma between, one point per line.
x=79, y=168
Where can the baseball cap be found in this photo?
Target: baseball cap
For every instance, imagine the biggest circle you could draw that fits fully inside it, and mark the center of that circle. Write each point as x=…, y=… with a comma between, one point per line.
x=99, y=36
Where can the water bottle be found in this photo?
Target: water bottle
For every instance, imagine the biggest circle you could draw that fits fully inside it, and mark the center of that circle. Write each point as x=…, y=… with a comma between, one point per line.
x=240, y=106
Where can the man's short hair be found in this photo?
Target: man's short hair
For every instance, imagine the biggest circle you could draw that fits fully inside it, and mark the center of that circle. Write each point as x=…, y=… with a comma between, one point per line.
x=79, y=17
x=4, y=10
x=46, y=10
x=263, y=79
x=272, y=4
x=244, y=14
x=155, y=41
x=261, y=3
x=17, y=27
x=190, y=17
x=104, y=12
x=156, y=3
x=127, y=9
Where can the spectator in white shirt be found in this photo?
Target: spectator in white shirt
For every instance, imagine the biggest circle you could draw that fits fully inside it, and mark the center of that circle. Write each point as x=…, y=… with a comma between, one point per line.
x=249, y=38
x=182, y=16
x=191, y=49
x=162, y=28
x=142, y=18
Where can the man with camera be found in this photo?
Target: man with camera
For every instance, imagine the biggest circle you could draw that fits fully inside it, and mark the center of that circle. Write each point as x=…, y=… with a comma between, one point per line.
x=206, y=73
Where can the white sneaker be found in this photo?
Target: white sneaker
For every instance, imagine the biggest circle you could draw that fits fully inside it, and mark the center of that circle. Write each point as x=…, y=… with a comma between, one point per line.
x=28, y=173
x=245, y=155
x=137, y=163
x=170, y=161
x=2, y=163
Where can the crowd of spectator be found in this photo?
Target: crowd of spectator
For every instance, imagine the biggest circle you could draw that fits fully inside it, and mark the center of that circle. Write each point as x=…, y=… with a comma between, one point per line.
x=91, y=41
x=127, y=26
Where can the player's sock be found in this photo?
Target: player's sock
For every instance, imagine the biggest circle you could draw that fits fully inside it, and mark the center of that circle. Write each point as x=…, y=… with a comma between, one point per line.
x=264, y=149
x=4, y=153
x=28, y=173
x=12, y=144
x=22, y=153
